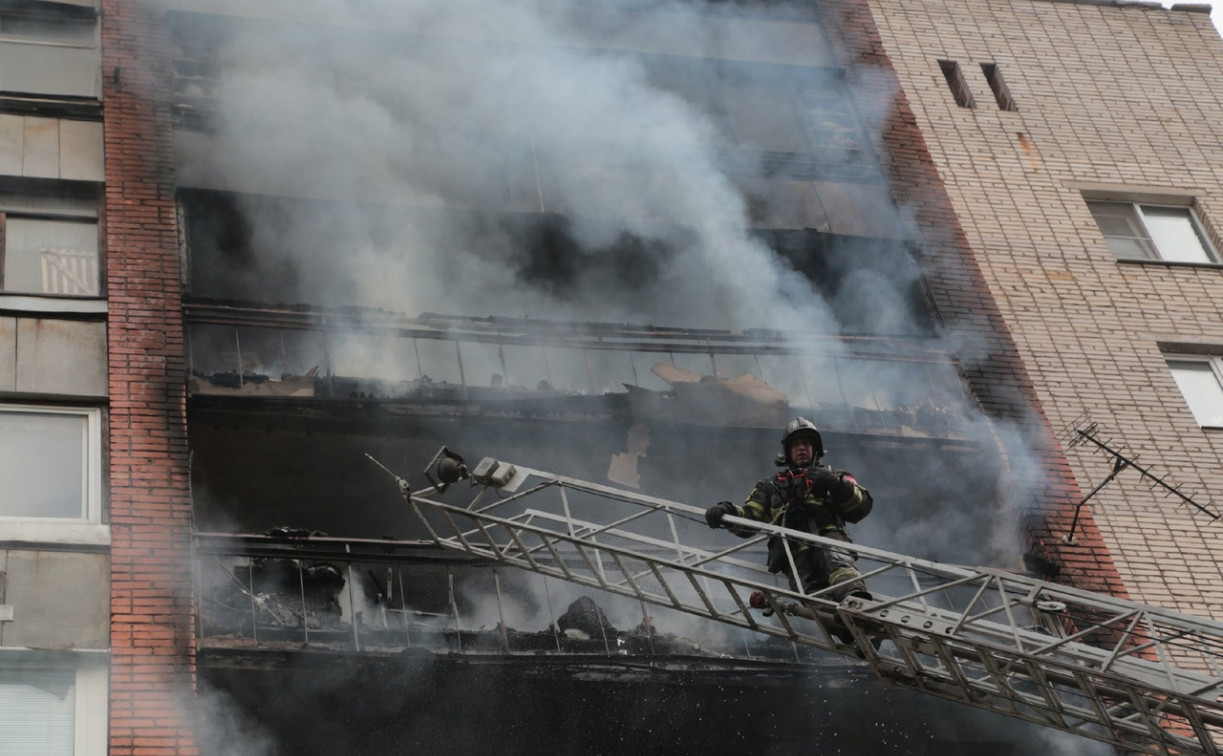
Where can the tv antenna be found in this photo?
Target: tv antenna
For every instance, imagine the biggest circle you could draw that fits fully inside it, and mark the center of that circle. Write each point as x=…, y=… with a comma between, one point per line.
x=1084, y=432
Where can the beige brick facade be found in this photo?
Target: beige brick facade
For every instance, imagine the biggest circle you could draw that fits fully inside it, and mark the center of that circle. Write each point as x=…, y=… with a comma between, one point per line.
x=1123, y=99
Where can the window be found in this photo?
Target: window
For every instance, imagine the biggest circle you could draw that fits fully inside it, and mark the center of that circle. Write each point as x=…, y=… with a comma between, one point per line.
x=1002, y=93
x=49, y=49
x=49, y=241
x=1200, y=379
x=1136, y=231
x=49, y=256
x=69, y=30
x=802, y=119
x=50, y=473
x=36, y=710
x=955, y=80
x=52, y=709
x=52, y=356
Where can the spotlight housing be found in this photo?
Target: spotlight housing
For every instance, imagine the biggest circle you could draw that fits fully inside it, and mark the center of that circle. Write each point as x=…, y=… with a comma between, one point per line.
x=445, y=469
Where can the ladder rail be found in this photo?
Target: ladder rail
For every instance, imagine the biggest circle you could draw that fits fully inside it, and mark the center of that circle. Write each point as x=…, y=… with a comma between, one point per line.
x=525, y=558
x=1006, y=584
x=1110, y=669
x=1013, y=581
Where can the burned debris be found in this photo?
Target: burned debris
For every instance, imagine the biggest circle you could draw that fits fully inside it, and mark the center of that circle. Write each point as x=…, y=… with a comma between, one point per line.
x=277, y=597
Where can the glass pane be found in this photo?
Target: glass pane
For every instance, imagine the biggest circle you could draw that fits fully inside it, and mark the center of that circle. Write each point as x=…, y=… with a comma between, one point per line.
x=1174, y=234
x=1201, y=388
x=364, y=356
x=42, y=468
x=438, y=362
x=213, y=349
x=527, y=366
x=37, y=707
x=77, y=31
x=282, y=353
x=51, y=256
x=49, y=69
x=761, y=116
x=1119, y=223
x=218, y=351
x=689, y=79
x=1115, y=218
x=610, y=369
x=809, y=382
x=880, y=392
x=733, y=366
x=1124, y=248
x=484, y=365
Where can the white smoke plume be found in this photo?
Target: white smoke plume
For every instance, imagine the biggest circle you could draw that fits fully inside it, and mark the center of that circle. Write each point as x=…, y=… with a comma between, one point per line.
x=430, y=120
x=493, y=104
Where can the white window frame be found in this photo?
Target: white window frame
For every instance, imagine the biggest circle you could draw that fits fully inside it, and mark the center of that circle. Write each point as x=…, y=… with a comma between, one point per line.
x=91, y=694
x=86, y=530
x=1144, y=237
x=1215, y=364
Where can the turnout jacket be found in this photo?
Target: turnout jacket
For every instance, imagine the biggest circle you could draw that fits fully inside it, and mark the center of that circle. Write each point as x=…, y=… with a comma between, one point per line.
x=817, y=499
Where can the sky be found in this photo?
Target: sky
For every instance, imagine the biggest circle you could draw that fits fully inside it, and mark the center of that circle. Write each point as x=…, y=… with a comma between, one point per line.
x=1216, y=13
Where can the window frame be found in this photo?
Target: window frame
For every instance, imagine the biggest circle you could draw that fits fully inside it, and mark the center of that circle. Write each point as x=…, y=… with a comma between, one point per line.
x=997, y=85
x=1215, y=362
x=90, y=692
x=53, y=201
x=7, y=216
x=957, y=82
x=1137, y=218
x=52, y=13
x=36, y=46
x=90, y=528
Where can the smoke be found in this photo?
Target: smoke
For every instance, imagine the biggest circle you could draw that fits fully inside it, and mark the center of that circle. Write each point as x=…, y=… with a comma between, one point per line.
x=501, y=157
x=516, y=159
x=225, y=728
x=507, y=158
x=492, y=107
x=983, y=501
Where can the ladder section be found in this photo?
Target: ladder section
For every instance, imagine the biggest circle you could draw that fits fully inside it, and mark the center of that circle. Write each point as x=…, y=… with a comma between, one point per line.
x=1142, y=678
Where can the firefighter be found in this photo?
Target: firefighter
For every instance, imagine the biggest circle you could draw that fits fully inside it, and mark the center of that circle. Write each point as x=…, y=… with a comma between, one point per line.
x=808, y=496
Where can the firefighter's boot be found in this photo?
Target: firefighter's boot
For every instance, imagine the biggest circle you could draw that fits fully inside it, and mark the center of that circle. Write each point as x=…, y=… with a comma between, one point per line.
x=846, y=582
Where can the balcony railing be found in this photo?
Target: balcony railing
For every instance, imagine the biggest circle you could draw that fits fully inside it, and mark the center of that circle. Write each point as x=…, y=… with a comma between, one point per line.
x=296, y=591
x=873, y=385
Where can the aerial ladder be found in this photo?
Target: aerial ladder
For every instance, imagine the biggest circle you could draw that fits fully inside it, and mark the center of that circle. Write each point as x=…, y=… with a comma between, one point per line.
x=1139, y=677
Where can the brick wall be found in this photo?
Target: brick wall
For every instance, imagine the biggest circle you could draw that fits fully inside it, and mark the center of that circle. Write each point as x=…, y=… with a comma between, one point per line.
x=1110, y=97
x=1042, y=484
x=152, y=637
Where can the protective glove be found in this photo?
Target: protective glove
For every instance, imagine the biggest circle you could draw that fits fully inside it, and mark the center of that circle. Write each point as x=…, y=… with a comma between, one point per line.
x=823, y=481
x=714, y=514
x=827, y=483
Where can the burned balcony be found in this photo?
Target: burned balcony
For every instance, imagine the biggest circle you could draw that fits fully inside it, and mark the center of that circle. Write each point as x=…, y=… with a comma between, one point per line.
x=293, y=590
x=757, y=379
